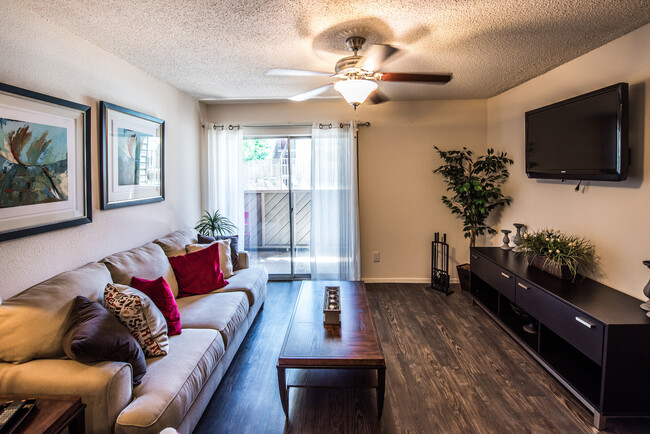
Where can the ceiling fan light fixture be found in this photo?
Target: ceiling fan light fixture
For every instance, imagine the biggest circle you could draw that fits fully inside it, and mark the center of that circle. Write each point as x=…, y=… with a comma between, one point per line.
x=355, y=91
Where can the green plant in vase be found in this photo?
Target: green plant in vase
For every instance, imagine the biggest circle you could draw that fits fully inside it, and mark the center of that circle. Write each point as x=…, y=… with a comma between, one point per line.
x=474, y=186
x=214, y=225
x=559, y=254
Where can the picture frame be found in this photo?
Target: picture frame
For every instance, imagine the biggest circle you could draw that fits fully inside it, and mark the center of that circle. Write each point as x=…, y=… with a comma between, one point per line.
x=45, y=163
x=133, y=157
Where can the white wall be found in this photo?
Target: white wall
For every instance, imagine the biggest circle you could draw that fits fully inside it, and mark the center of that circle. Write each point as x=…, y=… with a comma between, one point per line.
x=42, y=57
x=400, y=207
x=614, y=216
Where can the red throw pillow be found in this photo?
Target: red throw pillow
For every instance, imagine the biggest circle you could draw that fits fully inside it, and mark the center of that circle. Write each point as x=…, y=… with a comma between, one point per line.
x=198, y=272
x=159, y=292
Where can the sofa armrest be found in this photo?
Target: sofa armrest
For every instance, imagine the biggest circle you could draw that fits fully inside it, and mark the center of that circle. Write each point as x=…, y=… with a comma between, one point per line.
x=106, y=387
x=243, y=259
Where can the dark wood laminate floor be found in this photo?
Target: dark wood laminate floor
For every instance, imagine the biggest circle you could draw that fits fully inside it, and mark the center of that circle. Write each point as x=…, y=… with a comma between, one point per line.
x=450, y=369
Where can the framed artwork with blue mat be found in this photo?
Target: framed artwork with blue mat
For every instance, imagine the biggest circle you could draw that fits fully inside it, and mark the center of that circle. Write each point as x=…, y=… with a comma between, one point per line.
x=45, y=179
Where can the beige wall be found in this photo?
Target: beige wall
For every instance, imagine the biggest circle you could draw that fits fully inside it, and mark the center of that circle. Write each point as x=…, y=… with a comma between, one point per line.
x=614, y=216
x=400, y=204
x=42, y=57
x=400, y=207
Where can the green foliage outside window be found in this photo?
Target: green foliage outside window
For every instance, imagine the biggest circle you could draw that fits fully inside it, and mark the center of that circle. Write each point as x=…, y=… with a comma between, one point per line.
x=258, y=149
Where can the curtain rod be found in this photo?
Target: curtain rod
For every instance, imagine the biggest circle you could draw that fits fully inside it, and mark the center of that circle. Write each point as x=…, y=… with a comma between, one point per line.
x=342, y=125
x=223, y=127
x=321, y=126
x=277, y=125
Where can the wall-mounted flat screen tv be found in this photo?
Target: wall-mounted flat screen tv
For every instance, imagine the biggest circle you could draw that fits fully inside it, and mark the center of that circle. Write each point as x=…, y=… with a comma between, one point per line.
x=584, y=138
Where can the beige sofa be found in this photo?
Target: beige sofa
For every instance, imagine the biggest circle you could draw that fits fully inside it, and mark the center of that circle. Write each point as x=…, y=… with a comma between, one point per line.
x=176, y=388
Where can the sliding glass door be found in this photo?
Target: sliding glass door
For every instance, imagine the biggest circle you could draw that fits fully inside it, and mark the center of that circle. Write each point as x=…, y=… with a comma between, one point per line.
x=277, y=210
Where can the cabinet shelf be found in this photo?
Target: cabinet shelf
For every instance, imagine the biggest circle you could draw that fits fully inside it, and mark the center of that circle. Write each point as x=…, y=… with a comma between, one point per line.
x=516, y=324
x=572, y=365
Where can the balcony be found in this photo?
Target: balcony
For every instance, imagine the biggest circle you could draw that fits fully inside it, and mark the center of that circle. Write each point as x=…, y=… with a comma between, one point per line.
x=267, y=230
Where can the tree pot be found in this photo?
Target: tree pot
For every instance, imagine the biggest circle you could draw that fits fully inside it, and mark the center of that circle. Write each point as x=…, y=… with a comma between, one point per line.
x=559, y=271
x=463, y=276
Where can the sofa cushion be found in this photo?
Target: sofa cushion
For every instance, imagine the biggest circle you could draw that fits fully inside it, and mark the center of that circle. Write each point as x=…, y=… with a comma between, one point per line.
x=251, y=280
x=140, y=316
x=159, y=292
x=172, y=382
x=174, y=244
x=43, y=310
x=234, y=246
x=198, y=272
x=225, y=263
x=96, y=335
x=104, y=387
x=223, y=311
x=146, y=262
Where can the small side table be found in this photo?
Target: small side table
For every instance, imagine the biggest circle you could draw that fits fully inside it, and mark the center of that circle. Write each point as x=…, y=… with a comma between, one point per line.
x=52, y=414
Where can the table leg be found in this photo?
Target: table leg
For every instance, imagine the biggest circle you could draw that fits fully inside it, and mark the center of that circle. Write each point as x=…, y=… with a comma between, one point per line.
x=284, y=393
x=78, y=424
x=381, y=387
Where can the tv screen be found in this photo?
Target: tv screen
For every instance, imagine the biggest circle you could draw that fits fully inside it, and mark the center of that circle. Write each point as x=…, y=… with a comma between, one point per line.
x=582, y=138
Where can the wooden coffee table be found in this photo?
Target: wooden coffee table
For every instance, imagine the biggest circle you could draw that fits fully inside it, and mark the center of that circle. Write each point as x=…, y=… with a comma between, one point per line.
x=52, y=414
x=309, y=344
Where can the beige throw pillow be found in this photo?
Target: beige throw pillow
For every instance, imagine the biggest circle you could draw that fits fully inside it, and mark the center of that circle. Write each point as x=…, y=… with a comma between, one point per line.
x=174, y=244
x=225, y=262
x=140, y=315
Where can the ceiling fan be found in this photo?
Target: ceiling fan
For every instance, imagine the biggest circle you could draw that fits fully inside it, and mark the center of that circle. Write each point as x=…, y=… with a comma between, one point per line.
x=359, y=74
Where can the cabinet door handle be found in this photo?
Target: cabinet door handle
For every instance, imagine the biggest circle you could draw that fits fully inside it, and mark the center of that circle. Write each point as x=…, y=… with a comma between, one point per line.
x=522, y=285
x=585, y=323
x=474, y=256
x=505, y=275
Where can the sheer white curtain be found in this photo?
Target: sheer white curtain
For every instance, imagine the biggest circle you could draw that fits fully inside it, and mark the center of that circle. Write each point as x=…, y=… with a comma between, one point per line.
x=224, y=180
x=334, y=204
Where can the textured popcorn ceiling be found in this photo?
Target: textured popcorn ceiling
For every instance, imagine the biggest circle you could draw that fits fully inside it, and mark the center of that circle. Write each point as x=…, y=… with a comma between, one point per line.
x=219, y=50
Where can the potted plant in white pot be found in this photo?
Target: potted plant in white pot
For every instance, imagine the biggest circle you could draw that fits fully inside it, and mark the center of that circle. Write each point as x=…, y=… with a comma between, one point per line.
x=474, y=186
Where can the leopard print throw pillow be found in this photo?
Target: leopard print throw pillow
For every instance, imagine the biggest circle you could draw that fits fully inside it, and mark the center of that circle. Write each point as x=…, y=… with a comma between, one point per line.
x=140, y=315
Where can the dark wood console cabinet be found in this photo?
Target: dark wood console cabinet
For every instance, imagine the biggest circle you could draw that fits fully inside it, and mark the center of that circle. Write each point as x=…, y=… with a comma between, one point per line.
x=593, y=339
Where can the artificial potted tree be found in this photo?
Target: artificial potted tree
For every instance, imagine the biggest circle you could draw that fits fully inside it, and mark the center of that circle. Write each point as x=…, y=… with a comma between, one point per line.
x=474, y=183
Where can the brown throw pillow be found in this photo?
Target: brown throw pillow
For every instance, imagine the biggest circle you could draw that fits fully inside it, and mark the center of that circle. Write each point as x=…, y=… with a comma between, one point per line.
x=234, y=246
x=95, y=335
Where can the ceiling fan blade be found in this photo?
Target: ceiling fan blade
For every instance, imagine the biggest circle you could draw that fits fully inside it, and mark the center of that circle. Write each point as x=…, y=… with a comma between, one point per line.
x=297, y=73
x=422, y=78
x=377, y=97
x=311, y=93
x=376, y=56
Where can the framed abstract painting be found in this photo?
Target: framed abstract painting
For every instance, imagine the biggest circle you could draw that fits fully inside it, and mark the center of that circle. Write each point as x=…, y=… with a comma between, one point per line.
x=133, y=157
x=45, y=180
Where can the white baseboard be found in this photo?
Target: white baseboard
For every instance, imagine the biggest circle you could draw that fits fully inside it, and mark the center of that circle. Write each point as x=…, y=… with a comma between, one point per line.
x=403, y=280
